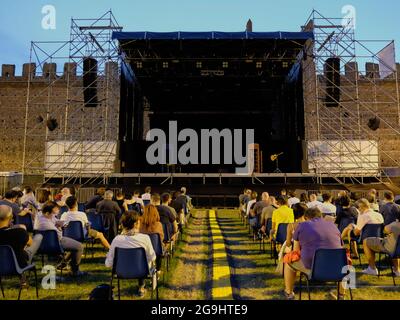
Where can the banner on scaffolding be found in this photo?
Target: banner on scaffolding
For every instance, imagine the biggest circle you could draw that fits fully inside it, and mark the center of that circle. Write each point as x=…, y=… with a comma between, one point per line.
x=387, y=61
x=80, y=158
x=350, y=157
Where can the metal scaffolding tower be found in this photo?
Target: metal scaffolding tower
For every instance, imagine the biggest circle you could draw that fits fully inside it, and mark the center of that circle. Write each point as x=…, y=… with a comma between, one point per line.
x=340, y=143
x=64, y=138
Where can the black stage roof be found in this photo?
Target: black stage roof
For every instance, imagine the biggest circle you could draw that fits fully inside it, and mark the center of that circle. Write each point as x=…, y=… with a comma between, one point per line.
x=214, y=80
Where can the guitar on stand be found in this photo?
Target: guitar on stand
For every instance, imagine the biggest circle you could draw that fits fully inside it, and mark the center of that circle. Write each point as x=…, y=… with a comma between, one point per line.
x=275, y=157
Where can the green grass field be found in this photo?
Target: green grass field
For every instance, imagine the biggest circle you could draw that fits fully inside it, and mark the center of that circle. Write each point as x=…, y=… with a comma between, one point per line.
x=253, y=273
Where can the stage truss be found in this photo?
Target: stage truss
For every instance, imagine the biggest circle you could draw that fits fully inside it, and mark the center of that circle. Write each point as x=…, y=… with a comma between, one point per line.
x=340, y=143
x=85, y=142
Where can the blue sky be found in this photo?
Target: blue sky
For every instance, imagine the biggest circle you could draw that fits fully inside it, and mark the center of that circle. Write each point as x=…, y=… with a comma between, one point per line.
x=20, y=20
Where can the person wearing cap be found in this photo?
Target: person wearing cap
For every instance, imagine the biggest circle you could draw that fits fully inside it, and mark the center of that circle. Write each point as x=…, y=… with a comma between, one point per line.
x=17, y=238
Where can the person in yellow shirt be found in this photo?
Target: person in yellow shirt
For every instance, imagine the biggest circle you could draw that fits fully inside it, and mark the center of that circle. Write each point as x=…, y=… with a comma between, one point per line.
x=283, y=214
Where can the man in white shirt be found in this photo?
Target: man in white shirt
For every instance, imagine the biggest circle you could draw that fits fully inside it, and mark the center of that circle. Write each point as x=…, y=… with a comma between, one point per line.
x=131, y=238
x=146, y=196
x=366, y=216
x=47, y=221
x=292, y=199
x=314, y=202
x=327, y=208
x=74, y=215
x=251, y=202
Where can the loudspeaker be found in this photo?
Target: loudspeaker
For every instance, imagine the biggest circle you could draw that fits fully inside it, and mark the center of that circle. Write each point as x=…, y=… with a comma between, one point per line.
x=374, y=123
x=52, y=124
x=90, y=82
x=332, y=75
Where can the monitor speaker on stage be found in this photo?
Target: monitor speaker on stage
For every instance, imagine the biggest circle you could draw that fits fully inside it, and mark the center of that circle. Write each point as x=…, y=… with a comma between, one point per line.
x=332, y=75
x=90, y=82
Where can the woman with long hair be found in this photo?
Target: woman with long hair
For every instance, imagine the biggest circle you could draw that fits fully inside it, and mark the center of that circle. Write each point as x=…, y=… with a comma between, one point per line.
x=150, y=223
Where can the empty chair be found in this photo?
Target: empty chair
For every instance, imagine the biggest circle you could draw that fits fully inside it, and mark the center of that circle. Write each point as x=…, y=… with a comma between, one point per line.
x=327, y=266
x=132, y=264
x=9, y=267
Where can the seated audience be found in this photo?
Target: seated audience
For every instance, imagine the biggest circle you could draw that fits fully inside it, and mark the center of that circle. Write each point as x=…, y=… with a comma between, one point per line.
x=292, y=199
x=304, y=198
x=252, y=201
x=110, y=211
x=255, y=213
x=346, y=213
x=327, y=208
x=373, y=203
x=10, y=200
x=150, y=223
x=283, y=214
x=17, y=238
x=267, y=212
x=314, y=202
x=389, y=210
x=167, y=215
x=310, y=235
x=28, y=200
x=48, y=221
x=299, y=210
x=93, y=201
x=132, y=238
x=366, y=216
x=146, y=196
x=73, y=214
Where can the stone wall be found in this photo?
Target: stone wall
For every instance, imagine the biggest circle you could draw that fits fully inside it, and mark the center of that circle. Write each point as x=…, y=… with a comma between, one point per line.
x=52, y=95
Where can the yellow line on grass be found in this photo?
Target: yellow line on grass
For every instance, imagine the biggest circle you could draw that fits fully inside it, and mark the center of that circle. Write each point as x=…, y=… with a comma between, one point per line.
x=221, y=274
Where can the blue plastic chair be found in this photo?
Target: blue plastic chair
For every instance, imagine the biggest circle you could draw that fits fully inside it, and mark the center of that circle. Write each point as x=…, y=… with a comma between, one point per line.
x=158, y=247
x=26, y=221
x=74, y=230
x=268, y=226
x=327, y=266
x=344, y=222
x=391, y=257
x=280, y=238
x=96, y=221
x=9, y=267
x=131, y=264
x=135, y=207
x=50, y=245
x=81, y=207
x=368, y=231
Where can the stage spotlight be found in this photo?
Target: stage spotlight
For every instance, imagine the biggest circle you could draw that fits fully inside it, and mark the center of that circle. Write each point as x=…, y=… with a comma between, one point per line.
x=165, y=64
x=225, y=64
x=258, y=64
x=199, y=64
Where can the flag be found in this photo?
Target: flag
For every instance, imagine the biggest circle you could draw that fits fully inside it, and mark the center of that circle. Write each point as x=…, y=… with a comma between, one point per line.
x=387, y=61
